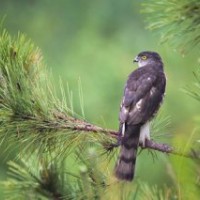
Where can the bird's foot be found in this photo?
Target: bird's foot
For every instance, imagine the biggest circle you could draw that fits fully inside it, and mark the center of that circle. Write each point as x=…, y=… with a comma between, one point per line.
x=143, y=143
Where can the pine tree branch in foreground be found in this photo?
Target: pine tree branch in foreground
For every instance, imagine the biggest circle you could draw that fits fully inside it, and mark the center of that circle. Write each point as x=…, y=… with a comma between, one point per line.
x=165, y=16
x=37, y=124
x=150, y=144
x=31, y=112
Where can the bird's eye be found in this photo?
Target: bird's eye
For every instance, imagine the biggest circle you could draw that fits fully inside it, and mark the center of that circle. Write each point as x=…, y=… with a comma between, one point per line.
x=144, y=57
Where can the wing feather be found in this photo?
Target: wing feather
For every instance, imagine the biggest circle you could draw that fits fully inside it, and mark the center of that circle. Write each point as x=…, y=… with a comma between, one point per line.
x=142, y=95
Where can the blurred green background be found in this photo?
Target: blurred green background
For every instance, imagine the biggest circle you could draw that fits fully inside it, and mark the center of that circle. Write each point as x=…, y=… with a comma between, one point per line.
x=95, y=41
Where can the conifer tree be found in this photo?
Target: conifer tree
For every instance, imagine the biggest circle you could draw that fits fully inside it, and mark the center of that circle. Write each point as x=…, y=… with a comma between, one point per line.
x=48, y=137
x=177, y=23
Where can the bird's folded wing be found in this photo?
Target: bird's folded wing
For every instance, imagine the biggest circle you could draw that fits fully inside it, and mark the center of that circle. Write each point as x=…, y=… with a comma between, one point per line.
x=135, y=93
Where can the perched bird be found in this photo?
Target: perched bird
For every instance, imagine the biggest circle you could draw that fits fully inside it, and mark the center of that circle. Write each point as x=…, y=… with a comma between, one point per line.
x=143, y=94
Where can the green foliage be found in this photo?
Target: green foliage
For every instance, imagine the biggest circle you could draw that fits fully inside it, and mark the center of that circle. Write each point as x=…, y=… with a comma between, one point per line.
x=159, y=126
x=46, y=134
x=97, y=44
x=48, y=178
x=155, y=193
x=177, y=22
x=29, y=109
x=194, y=89
x=42, y=130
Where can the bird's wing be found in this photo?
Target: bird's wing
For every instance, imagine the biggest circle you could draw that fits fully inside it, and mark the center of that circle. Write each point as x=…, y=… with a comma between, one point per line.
x=139, y=96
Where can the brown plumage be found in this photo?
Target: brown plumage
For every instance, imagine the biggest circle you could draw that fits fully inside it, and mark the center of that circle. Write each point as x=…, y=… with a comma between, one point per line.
x=143, y=95
x=126, y=163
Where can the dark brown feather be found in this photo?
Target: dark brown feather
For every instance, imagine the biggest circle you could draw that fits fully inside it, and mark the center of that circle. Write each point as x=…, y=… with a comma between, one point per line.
x=125, y=165
x=143, y=95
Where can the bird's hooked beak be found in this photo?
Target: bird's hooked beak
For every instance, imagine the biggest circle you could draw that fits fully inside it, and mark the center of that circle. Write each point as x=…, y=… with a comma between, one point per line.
x=136, y=59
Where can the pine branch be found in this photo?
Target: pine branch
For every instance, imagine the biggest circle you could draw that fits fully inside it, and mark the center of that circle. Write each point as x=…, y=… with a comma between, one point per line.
x=40, y=124
x=30, y=110
x=83, y=126
x=176, y=23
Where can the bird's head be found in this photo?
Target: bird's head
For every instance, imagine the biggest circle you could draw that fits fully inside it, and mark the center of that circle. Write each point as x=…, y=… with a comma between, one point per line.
x=147, y=57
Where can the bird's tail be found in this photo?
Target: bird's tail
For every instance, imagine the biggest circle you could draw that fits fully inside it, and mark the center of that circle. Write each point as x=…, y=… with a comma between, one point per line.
x=125, y=165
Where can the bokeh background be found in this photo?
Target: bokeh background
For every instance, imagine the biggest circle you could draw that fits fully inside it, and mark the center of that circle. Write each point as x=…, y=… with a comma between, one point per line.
x=94, y=42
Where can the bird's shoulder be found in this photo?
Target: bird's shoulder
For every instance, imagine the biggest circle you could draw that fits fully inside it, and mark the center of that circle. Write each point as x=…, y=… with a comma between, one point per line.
x=140, y=76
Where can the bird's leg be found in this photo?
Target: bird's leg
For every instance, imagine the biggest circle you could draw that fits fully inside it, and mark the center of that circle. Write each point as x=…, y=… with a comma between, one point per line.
x=122, y=132
x=144, y=134
x=120, y=136
x=119, y=140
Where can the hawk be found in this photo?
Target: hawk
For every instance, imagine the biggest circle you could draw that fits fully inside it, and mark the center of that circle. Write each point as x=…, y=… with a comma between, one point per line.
x=143, y=95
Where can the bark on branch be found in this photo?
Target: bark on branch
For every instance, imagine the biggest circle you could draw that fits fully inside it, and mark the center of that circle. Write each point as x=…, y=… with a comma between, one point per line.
x=149, y=144
x=83, y=126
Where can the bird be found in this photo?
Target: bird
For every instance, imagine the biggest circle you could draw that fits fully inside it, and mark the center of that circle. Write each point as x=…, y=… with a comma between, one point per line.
x=143, y=94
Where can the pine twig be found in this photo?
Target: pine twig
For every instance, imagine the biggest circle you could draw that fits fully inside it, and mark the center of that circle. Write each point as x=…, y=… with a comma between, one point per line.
x=149, y=144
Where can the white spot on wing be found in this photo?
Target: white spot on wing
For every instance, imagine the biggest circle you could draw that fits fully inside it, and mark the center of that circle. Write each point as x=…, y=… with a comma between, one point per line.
x=149, y=79
x=138, y=105
x=152, y=91
x=125, y=110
